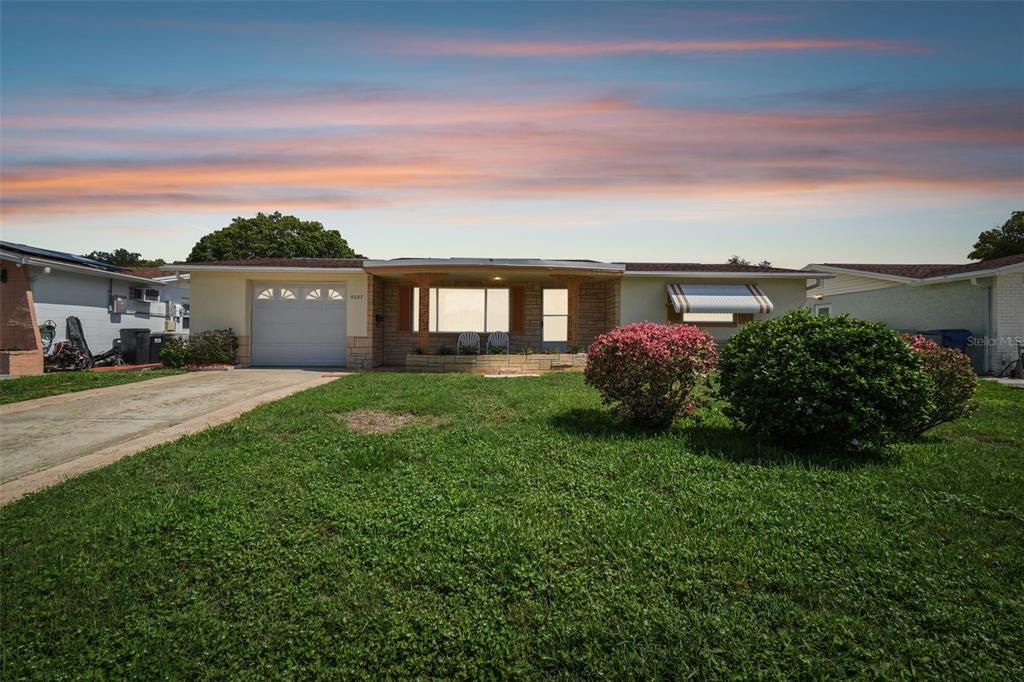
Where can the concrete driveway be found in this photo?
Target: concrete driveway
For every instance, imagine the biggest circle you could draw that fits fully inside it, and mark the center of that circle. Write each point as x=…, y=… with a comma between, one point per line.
x=45, y=441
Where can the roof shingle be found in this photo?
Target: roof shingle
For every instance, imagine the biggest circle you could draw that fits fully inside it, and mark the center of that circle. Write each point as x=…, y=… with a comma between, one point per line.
x=925, y=271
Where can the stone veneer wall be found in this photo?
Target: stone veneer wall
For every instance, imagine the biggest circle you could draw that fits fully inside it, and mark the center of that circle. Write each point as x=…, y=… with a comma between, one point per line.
x=535, y=363
x=598, y=313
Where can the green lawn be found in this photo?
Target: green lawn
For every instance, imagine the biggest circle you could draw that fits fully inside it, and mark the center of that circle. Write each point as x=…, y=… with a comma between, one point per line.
x=29, y=388
x=518, y=530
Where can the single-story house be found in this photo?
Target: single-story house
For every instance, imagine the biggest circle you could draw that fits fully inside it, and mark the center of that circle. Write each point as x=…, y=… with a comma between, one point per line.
x=41, y=286
x=985, y=298
x=366, y=313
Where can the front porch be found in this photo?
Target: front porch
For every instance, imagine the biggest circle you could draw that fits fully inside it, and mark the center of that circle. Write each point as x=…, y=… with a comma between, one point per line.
x=551, y=310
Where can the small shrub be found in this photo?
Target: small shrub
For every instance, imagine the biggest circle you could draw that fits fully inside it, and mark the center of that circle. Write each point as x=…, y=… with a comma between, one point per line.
x=649, y=371
x=953, y=381
x=445, y=350
x=496, y=350
x=214, y=347
x=527, y=350
x=836, y=383
x=174, y=353
x=468, y=350
x=551, y=350
x=572, y=348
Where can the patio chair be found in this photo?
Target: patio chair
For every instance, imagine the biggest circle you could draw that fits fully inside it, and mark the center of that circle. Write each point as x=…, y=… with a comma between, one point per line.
x=469, y=340
x=497, y=340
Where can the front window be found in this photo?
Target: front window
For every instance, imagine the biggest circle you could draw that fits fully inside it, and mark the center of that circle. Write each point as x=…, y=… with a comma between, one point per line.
x=464, y=310
x=149, y=295
x=556, y=316
x=823, y=309
x=703, y=318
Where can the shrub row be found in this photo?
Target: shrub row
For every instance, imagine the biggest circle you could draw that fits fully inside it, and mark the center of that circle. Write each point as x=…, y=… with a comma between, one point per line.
x=215, y=347
x=835, y=383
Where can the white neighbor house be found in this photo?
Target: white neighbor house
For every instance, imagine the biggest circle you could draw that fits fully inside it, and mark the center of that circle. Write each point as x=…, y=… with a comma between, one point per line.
x=105, y=298
x=986, y=298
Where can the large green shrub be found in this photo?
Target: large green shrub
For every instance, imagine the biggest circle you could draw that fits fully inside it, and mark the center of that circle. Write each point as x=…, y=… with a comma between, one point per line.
x=214, y=347
x=953, y=381
x=834, y=383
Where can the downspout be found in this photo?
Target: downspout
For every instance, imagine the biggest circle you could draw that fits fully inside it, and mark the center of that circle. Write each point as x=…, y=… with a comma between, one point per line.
x=988, y=322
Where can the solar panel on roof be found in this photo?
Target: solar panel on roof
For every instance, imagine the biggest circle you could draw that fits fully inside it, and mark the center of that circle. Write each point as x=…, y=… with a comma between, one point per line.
x=59, y=255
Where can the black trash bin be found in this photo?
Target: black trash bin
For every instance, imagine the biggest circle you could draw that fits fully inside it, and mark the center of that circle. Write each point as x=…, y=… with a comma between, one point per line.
x=135, y=346
x=156, y=342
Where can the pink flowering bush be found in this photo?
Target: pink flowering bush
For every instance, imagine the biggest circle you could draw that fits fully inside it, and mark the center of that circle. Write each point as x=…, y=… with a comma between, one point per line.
x=648, y=370
x=951, y=376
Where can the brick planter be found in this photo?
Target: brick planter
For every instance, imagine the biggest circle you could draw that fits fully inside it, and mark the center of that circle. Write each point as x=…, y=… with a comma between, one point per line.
x=21, y=362
x=536, y=363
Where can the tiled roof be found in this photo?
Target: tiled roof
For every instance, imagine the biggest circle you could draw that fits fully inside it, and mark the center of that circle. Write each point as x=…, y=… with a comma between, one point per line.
x=284, y=263
x=149, y=272
x=924, y=271
x=702, y=267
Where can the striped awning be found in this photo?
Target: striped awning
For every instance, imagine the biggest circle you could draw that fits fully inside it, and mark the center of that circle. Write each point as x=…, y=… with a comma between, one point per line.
x=718, y=298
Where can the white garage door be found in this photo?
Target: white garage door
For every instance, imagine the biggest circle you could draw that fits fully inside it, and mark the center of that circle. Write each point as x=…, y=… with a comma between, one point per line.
x=299, y=324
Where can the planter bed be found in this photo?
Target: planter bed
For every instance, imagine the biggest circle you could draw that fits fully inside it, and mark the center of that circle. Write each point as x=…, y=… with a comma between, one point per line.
x=535, y=363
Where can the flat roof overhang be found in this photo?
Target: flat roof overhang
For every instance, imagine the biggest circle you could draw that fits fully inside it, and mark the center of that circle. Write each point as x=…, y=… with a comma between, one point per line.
x=491, y=268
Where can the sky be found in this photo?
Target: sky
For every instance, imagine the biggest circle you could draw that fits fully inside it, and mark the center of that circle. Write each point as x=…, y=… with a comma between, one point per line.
x=795, y=133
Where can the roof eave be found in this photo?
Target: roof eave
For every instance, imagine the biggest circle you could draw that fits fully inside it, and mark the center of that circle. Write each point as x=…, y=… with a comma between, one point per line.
x=76, y=269
x=254, y=268
x=729, y=275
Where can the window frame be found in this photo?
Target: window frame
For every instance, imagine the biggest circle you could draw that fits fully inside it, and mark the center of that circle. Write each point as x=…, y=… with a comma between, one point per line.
x=544, y=317
x=738, y=319
x=435, y=309
x=819, y=307
x=133, y=294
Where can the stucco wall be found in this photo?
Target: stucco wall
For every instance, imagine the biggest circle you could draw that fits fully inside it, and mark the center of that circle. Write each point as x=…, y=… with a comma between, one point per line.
x=644, y=298
x=61, y=294
x=222, y=300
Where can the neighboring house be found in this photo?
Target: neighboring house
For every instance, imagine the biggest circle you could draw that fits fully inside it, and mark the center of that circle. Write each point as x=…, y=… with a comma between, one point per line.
x=985, y=298
x=361, y=314
x=41, y=285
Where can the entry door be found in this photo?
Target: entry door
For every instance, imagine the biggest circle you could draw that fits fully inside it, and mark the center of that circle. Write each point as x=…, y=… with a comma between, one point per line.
x=301, y=324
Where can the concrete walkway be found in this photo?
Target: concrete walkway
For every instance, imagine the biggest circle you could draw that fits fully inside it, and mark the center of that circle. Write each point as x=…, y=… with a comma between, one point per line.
x=44, y=441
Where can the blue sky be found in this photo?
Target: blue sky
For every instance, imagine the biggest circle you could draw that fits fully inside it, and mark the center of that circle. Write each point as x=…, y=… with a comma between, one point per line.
x=795, y=132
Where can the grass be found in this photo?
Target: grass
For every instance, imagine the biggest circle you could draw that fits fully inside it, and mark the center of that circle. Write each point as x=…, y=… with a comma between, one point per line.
x=518, y=530
x=29, y=388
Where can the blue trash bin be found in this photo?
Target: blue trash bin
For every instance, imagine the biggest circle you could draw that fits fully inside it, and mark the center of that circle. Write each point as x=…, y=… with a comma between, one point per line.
x=953, y=338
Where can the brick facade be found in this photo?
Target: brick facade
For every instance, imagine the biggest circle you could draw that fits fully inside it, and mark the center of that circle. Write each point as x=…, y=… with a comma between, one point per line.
x=598, y=313
x=20, y=344
x=1007, y=319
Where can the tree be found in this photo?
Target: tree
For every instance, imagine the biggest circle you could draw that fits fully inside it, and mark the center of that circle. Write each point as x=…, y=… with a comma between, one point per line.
x=736, y=260
x=125, y=258
x=271, y=236
x=1007, y=240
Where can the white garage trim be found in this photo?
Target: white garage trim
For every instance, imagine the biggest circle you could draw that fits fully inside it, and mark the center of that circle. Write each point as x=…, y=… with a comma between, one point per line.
x=299, y=324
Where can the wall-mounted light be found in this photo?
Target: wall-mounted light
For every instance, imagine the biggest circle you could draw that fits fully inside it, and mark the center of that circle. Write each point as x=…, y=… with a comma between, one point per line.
x=496, y=279
x=46, y=270
x=818, y=297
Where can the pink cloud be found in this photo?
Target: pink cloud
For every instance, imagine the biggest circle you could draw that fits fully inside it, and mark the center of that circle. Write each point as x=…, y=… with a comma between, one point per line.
x=599, y=48
x=401, y=148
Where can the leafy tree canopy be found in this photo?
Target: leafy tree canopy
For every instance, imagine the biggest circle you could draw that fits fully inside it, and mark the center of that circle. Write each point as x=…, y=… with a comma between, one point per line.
x=125, y=258
x=1007, y=240
x=271, y=236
